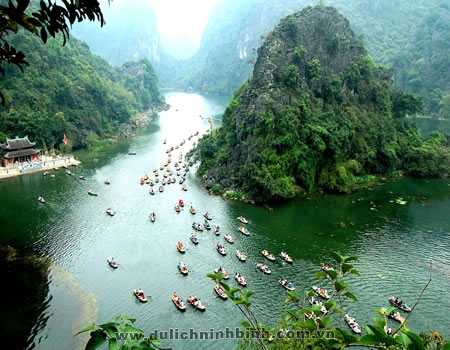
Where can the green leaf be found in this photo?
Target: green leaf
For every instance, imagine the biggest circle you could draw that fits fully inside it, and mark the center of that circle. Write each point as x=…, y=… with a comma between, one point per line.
x=310, y=324
x=349, y=258
x=98, y=337
x=402, y=339
x=246, y=324
x=346, y=267
x=340, y=286
x=110, y=328
x=321, y=274
x=351, y=296
x=336, y=256
x=113, y=344
x=87, y=329
x=368, y=339
x=446, y=346
x=415, y=339
x=332, y=273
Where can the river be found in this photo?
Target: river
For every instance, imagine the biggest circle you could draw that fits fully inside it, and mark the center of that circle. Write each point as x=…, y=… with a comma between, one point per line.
x=396, y=228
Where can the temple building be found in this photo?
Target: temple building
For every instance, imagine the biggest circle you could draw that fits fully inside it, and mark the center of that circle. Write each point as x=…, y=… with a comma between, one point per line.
x=18, y=150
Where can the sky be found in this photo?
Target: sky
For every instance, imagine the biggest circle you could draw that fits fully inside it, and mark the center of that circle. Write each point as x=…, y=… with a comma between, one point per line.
x=182, y=18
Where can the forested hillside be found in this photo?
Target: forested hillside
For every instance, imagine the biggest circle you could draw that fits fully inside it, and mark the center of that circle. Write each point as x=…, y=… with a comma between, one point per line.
x=68, y=90
x=410, y=36
x=317, y=113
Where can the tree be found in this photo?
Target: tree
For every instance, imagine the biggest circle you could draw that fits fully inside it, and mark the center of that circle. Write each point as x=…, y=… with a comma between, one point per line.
x=48, y=18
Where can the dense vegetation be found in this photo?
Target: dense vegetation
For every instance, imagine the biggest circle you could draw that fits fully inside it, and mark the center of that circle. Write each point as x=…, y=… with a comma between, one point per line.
x=395, y=33
x=317, y=113
x=302, y=326
x=69, y=90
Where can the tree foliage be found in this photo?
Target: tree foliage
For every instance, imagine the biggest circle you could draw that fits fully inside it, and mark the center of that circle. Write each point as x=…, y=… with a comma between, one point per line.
x=319, y=123
x=46, y=19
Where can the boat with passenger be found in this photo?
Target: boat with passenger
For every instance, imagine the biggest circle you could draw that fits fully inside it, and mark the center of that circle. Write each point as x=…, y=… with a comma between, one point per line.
x=196, y=303
x=244, y=231
x=286, y=284
x=110, y=212
x=197, y=226
x=267, y=255
x=263, y=268
x=139, y=293
x=321, y=292
x=41, y=199
x=180, y=247
x=240, y=255
x=183, y=268
x=352, y=324
x=221, y=249
x=178, y=302
x=228, y=238
x=194, y=238
x=112, y=262
x=240, y=279
x=285, y=256
x=242, y=219
x=399, y=303
x=221, y=291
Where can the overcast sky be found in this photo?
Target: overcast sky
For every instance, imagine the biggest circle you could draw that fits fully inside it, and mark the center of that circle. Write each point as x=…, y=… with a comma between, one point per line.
x=181, y=18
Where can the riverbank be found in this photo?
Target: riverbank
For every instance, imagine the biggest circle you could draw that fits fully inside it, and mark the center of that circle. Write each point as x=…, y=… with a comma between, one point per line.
x=45, y=164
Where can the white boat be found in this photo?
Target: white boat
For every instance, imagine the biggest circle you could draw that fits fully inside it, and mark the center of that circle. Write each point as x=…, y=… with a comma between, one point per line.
x=110, y=212
x=352, y=324
x=241, y=256
x=228, y=238
x=112, y=262
x=41, y=199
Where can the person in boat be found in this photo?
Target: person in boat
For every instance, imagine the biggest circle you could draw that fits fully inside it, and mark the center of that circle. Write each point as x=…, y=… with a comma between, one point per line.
x=140, y=292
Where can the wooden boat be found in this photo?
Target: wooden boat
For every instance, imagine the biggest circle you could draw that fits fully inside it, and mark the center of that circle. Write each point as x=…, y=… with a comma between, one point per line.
x=399, y=303
x=244, y=231
x=285, y=256
x=41, y=199
x=221, y=249
x=177, y=208
x=197, y=226
x=139, y=293
x=180, y=247
x=228, y=238
x=183, y=268
x=192, y=210
x=352, y=324
x=395, y=315
x=217, y=230
x=286, y=284
x=152, y=217
x=220, y=269
x=321, y=292
x=268, y=256
x=107, y=182
x=263, y=268
x=196, y=303
x=194, y=238
x=241, y=256
x=240, y=279
x=110, y=212
x=221, y=292
x=207, y=216
x=242, y=219
x=178, y=302
x=181, y=203
x=112, y=262
x=92, y=193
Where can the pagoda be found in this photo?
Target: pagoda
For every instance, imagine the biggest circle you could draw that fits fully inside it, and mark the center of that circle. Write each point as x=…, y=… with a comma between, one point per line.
x=18, y=150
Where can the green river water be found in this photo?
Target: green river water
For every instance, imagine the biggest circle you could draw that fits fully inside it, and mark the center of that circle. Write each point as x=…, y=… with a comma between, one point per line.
x=73, y=236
